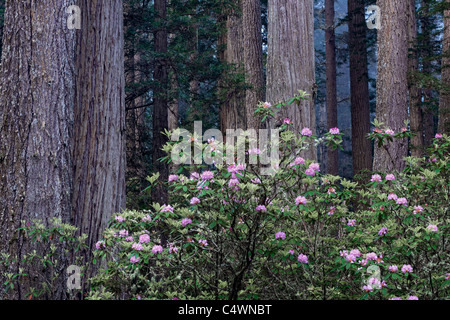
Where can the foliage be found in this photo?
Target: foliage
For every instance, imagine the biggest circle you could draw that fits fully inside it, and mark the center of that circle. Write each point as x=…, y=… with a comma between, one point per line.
x=233, y=233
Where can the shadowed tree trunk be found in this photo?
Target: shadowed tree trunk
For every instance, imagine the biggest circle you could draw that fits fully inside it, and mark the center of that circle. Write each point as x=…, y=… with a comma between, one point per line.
x=99, y=126
x=160, y=104
x=36, y=111
x=331, y=99
x=444, y=104
x=392, y=84
x=415, y=109
x=359, y=87
x=290, y=64
x=253, y=60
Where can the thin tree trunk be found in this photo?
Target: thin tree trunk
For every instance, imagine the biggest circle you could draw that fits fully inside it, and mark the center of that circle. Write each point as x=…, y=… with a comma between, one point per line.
x=99, y=126
x=253, y=60
x=415, y=109
x=331, y=99
x=444, y=103
x=291, y=60
x=36, y=110
x=160, y=104
x=392, y=84
x=359, y=87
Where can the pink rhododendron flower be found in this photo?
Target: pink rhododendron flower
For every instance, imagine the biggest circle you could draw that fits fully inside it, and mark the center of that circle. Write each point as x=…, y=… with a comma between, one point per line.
x=432, y=228
x=306, y=132
x=390, y=177
x=261, y=208
x=368, y=288
x=438, y=136
x=300, y=199
x=203, y=242
x=280, y=235
x=355, y=252
x=194, y=176
x=291, y=251
x=185, y=222
x=167, y=208
x=173, y=177
x=137, y=246
x=407, y=268
x=157, y=248
x=123, y=233
x=392, y=196
x=287, y=121
x=299, y=160
x=413, y=298
x=375, y=177
x=100, y=244
x=233, y=183
x=371, y=256
x=147, y=218
x=302, y=258
x=389, y=132
x=402, y=201
x=334, y=130
x=395, y=298
x=331, y=212
x=256, y=180
x=134, y=259
x=310, y=172
x=195, y=200
x=331, y=190
x=144, y=238
x=447, y=276
x=351, y=222
x=207, y=175
x=315, y=167
x=267, y=104
x=383, y=231
x=393, y=268
x=350, y=258
x=129, y=239
x=119, y=218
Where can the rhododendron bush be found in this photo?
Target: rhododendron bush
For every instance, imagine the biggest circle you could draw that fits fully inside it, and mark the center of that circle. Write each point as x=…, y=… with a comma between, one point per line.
x=230, y=232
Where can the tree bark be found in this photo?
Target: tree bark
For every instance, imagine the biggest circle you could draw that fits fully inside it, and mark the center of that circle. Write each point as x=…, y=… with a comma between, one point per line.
x=291, y=60
x=392, y=84
x=160, y=104
x=331, y=98
x=415, y=109
x=444, y=103
x=232, y=109
x=253, y=60
x=36, y=111
x=99, y=126
x=359, y=88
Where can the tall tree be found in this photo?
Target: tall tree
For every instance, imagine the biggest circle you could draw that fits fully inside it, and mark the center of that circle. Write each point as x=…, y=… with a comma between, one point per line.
x=36, y=110
x=290, y=64
x=160, y=102
x=232, y=109
x=253, y=60
x=444, y=103
x=392, y=84
x=359, y=88
x=99, y=121
x=415, y=109
x=331, y=97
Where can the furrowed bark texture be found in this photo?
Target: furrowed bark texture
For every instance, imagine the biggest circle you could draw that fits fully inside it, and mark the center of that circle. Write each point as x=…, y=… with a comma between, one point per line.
x=36, y=111
x=99, y=126
x=290, y=64
x=232, y=110
x=392, y=85
x=359, y=88
x=444, y=103
x=331, y=99
x=253, y=60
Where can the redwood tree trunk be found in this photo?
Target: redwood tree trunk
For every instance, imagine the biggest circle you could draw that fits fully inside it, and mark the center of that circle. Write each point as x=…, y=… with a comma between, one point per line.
x=99, y=126
x=291, y=60
x=359, y=87
x=232, y=109
x=392, y=84
x=331, y=99
x=253, y=60
x=444, y=103
x=160, y=105
x=36, y=111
